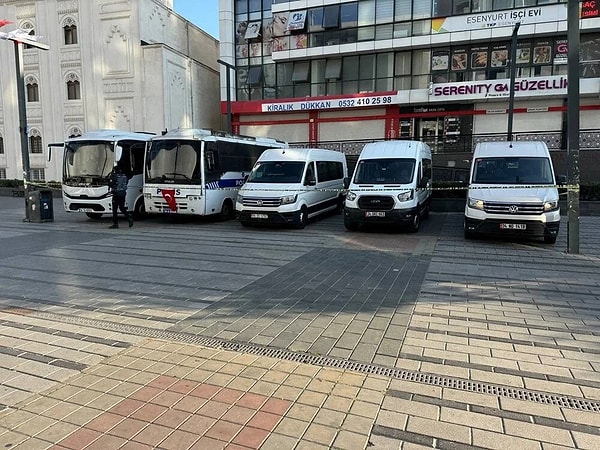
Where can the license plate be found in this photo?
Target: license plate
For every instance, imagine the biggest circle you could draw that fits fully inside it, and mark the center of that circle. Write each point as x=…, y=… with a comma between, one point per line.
x=85, y=210
x=259, y=216
x=375, y=214
x=513, y=226
x=168, y=211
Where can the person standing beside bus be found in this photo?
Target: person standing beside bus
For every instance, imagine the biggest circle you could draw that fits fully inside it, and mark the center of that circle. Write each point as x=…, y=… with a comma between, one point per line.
x=118, y=186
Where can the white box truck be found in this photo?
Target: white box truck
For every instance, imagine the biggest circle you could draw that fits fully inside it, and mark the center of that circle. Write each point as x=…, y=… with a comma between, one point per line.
x=391, y=184
x=512, y=192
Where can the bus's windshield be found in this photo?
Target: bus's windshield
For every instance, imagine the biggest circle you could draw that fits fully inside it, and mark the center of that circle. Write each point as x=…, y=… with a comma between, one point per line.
x=277, y=172
x=85, y=160
x=385, y=171
x=513, y=170
x=173, y=161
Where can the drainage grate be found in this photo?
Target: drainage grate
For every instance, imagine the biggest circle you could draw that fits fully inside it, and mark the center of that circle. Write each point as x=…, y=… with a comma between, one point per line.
x=327, y=361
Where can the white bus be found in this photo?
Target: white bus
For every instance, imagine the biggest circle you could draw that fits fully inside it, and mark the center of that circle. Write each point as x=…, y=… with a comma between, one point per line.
x=199, y=172
x=88, y=161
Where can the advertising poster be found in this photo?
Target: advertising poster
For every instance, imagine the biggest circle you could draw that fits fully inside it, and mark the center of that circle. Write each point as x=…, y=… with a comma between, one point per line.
x=439, y=60
x=459, y=59
x=479, y=57
x=499, y=56
x=523, y=53
x=542, y=52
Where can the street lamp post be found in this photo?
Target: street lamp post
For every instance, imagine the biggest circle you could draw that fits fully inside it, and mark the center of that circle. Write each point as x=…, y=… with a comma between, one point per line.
x=228, y=68
x=20, y=38
x=513, y=70
x=573, y=75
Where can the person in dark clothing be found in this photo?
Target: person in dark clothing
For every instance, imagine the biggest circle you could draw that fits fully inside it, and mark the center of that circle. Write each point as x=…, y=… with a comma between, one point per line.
x=118, y=186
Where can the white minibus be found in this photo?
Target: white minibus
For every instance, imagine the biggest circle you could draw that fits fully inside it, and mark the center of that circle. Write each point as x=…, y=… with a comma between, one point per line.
x=512, y=191
x=290, y=186
x=391, y=185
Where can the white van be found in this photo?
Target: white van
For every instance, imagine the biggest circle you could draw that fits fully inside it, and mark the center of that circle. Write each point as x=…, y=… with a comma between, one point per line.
x=391, y=185
x=290, y=186
x=512, y=191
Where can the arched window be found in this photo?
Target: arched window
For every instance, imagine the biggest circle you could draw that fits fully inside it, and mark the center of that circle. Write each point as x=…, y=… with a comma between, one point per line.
x=73, y=87
x=74, y=132
x=33, y=92
x=35, y=142
x=28, y=26
x=70, y=31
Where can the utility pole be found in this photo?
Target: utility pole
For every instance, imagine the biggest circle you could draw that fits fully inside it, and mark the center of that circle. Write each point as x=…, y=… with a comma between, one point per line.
x=573, y=75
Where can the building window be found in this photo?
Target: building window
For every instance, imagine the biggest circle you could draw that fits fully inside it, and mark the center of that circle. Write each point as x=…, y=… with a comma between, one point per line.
x=1, y=145
x=70, y=34
x=73, y=90
x=35, y=144
x=2, y=173
x=33, y=93
x=37, y=174
x=301, y=71
x=255, y=76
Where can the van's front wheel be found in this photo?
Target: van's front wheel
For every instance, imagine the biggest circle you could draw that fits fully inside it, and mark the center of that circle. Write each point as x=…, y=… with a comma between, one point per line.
x=415, y=224
x=301, y=220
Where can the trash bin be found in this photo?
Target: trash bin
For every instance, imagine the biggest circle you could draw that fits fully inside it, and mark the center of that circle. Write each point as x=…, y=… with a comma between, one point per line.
x=39, y=206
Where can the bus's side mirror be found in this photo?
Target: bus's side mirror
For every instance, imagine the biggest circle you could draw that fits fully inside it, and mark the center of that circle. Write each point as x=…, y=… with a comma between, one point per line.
x=346, y=182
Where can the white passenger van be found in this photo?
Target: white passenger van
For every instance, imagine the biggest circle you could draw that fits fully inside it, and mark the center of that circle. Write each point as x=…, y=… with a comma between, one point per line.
x=512, y=191
x=290, y=186
x=391, y=185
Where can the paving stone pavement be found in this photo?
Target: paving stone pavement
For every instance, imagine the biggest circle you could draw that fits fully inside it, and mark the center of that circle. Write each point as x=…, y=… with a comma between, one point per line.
x=205, y=335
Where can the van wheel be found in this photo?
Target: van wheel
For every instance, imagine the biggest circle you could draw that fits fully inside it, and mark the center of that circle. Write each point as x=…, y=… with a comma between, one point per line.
x=426, y=211
x=95, y=216
x=548, y=239
x=301, y=223
x=140, y=210
x=415, y=225
x=226, y=210
x=340, y=205
x=350, y=226
x=468, y=234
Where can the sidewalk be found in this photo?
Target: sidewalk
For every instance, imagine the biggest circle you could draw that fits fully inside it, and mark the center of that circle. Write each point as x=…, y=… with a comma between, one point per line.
x=279, y=339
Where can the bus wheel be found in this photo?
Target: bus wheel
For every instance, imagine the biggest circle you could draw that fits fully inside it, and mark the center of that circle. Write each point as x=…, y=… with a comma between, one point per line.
x=227, y=211
x=95, y=216
x=140, y=210
x=301, y=223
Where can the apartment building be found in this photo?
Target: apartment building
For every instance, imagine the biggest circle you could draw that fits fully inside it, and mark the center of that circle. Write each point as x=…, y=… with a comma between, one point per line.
x=339, y=73
x=132, y=65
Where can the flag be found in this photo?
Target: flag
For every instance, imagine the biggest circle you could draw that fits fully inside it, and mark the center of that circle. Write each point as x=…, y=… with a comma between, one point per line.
x=4, y=22
x=169, y=196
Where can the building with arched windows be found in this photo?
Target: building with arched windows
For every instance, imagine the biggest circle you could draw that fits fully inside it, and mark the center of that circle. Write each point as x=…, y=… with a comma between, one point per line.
x=133, y=65
x=339, y=73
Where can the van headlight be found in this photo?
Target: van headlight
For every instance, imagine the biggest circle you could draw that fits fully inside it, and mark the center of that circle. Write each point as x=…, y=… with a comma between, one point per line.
x=475, y=203
x=240, y=198
x=351, y=196
x=406, y=196
x=287, y=199
x=551, y=206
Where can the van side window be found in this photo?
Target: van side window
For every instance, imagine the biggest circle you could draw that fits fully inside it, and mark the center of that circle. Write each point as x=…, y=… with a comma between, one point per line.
x=329, y=170
x=419, y=175
x=427, y=169
x=310, y=174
